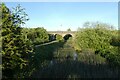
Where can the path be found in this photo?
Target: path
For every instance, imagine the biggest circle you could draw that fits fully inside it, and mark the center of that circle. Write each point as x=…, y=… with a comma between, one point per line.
x=46, y=43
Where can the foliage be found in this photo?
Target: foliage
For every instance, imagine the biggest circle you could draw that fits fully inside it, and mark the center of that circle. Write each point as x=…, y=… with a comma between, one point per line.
x=98, y=38
x=58, y=37
x=42, y=56
x=93, y=38
x=98, y=24
x=20, y=61
x=115, y=41
x=14, y=49
x=36, y=35
x=69, y=29
x=88, y=65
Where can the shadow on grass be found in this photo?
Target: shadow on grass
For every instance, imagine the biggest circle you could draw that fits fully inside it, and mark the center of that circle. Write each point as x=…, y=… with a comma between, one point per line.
x=45, y=52
x=41, y=57
x=76, y=69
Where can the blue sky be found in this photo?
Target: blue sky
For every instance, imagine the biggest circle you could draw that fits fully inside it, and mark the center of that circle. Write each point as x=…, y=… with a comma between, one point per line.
x=55, y=16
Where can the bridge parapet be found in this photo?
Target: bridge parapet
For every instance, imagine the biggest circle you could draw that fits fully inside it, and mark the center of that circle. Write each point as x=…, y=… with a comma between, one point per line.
x=63, y=33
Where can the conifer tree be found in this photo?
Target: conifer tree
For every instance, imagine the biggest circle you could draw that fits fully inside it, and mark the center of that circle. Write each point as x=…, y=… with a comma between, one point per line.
x=14, y=49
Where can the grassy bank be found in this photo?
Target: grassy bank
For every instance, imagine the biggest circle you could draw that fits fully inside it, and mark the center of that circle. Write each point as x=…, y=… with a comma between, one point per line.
x=41, y=57
x=88, y=65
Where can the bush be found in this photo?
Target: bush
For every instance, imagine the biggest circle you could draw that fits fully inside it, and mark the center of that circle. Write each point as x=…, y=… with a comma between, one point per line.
x=36, y=35
x=58, y=37
x=99, y=39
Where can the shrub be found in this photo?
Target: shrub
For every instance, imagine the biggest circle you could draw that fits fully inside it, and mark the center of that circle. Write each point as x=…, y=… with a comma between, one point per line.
x=59, y=37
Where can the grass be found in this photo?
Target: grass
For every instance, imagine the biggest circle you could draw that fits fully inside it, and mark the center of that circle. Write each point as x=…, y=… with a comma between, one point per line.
x=76, y=68
x=88, y=64
x=41, y=57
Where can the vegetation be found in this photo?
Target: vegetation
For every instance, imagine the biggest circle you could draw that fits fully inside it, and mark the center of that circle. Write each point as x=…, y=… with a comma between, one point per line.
x=41, y=57
x=69, y=29
x=36, y=35
x=88, y=65
x=58, y=37
x=18, y=50
x=99, y=39
x=14, y=49
x=33, y=53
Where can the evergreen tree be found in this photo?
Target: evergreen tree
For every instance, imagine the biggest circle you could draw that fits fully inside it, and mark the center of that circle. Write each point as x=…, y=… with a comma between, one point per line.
x=14, y=49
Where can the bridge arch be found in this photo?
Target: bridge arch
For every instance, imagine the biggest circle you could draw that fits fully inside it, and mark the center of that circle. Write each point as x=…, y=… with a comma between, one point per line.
x=67, y=36
x=63, y=33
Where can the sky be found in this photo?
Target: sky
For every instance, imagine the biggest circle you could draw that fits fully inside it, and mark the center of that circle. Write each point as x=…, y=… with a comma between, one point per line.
x=59, y=16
